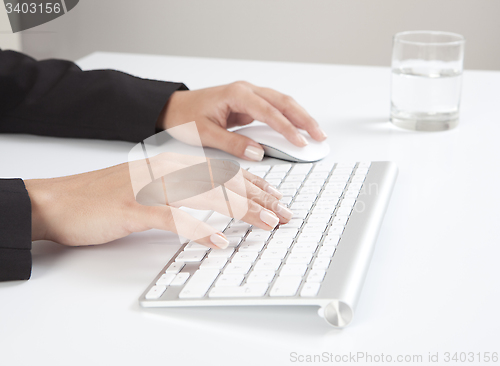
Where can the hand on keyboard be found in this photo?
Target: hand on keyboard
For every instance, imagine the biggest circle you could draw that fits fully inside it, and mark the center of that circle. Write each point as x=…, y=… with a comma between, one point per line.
x=100, y=206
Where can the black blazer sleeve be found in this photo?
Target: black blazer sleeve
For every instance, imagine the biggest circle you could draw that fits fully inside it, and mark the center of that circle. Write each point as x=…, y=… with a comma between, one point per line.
x=57, y=98
x=15, y=230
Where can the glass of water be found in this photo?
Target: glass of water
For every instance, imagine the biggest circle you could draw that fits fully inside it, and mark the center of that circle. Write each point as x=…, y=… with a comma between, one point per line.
x=426, y=80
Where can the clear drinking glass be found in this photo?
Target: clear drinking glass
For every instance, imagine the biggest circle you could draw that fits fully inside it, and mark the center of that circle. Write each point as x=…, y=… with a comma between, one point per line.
x=426, y=80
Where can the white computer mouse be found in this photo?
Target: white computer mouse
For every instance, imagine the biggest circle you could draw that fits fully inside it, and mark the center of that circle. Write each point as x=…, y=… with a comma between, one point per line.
x=277, y=146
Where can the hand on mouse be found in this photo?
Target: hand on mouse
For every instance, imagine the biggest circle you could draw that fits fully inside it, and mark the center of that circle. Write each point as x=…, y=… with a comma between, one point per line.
x=218, y=108
x=101, y=206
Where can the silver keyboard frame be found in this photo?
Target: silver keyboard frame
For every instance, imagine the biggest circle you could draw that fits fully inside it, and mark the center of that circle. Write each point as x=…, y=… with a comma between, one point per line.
x=343, y=282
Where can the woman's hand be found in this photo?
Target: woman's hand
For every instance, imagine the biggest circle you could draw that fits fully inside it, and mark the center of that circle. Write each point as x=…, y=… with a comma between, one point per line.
x=101, y=206
x=238, y=104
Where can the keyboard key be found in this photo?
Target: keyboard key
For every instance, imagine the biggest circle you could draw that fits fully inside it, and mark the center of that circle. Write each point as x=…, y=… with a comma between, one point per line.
x=304, y=248
x=310, y=289
x=361, y=171
x=288, y=191
x=234, y=241
x=252, y=246
x=281, y=168
x=301, y=168
x=365, y=164
x=259, y=168
x=327, y=251
x=217, y=263
x=290, y=185
x=351, y=193
x=295, y=178
x=323, y=167
x=237, y=268
x=286, y=286
x=155, y=292
x=195, y=246
x=299, y=258
x=314, y=183
x=280, y=243
x=310, y=190
x=321, y=263
x=249, y=257
x=221, y=253
x=321, y=218
x=358, y=179
x=175, y=267
x=274, y=182
x=316, y=275
x=344, y=211
x=331, y=240
x=180, y=279
x=247, y=290
x=267, y=264
x=286, y=232
x=310, y=237
x=274, y=253
x=348, y=202
x=301, y=205
x=293, y=270
x=318, y=175
x=315, y=227
x=340, y=220
x=199, y=284
x=261, y=277
x=300, y=214
x=339, y=178
x=304, y=197
x=190, y=256
x=345, y=165
x=293, y=223
x=219, y=221
x=275, y=175
x=336, y=230
x=230, y=280
x=321, y=210
x=236, y=231
x=331, y=193
x=165, y=279
x=258, y=236
x=286, y=200
x=356, y=186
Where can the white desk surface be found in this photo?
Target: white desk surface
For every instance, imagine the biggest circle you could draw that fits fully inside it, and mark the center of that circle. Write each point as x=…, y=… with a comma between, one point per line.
x=433, y=284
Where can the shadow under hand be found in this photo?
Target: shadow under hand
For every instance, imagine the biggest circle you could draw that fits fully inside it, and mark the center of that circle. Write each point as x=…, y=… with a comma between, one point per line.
x=46, y=254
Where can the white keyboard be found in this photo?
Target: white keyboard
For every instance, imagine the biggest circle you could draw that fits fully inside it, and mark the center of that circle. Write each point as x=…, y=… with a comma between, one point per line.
x=319, y=258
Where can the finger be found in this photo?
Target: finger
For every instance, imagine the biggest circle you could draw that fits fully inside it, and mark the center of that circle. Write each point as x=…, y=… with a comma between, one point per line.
x=232, y=143
x=180, y=222
x=231, y=204
x=293, y=111
x=247, y=189
x=262, y=184
x=268, y=201
x=246, y=101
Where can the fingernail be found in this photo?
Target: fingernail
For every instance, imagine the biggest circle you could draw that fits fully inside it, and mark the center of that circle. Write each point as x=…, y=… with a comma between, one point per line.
x=284, y=211
x=269, y=217
x=272, y=190
x=323, y=133
x=219, y=240
x=254, y=153
x=302, y=139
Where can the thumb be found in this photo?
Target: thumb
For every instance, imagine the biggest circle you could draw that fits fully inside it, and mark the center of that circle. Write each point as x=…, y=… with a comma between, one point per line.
x=240, y=146
x=180, y=222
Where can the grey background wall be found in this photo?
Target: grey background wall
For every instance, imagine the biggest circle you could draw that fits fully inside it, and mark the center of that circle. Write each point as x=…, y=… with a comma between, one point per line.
x=324, y=31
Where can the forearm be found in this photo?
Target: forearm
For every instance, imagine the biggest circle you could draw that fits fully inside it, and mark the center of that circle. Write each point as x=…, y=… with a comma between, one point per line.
x=56, y=98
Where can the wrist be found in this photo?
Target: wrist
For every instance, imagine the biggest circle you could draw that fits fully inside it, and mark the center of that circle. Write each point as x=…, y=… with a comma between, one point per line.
x=38, y=198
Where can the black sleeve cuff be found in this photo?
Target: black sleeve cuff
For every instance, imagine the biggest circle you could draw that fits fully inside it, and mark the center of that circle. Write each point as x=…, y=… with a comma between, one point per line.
x=15, y=230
